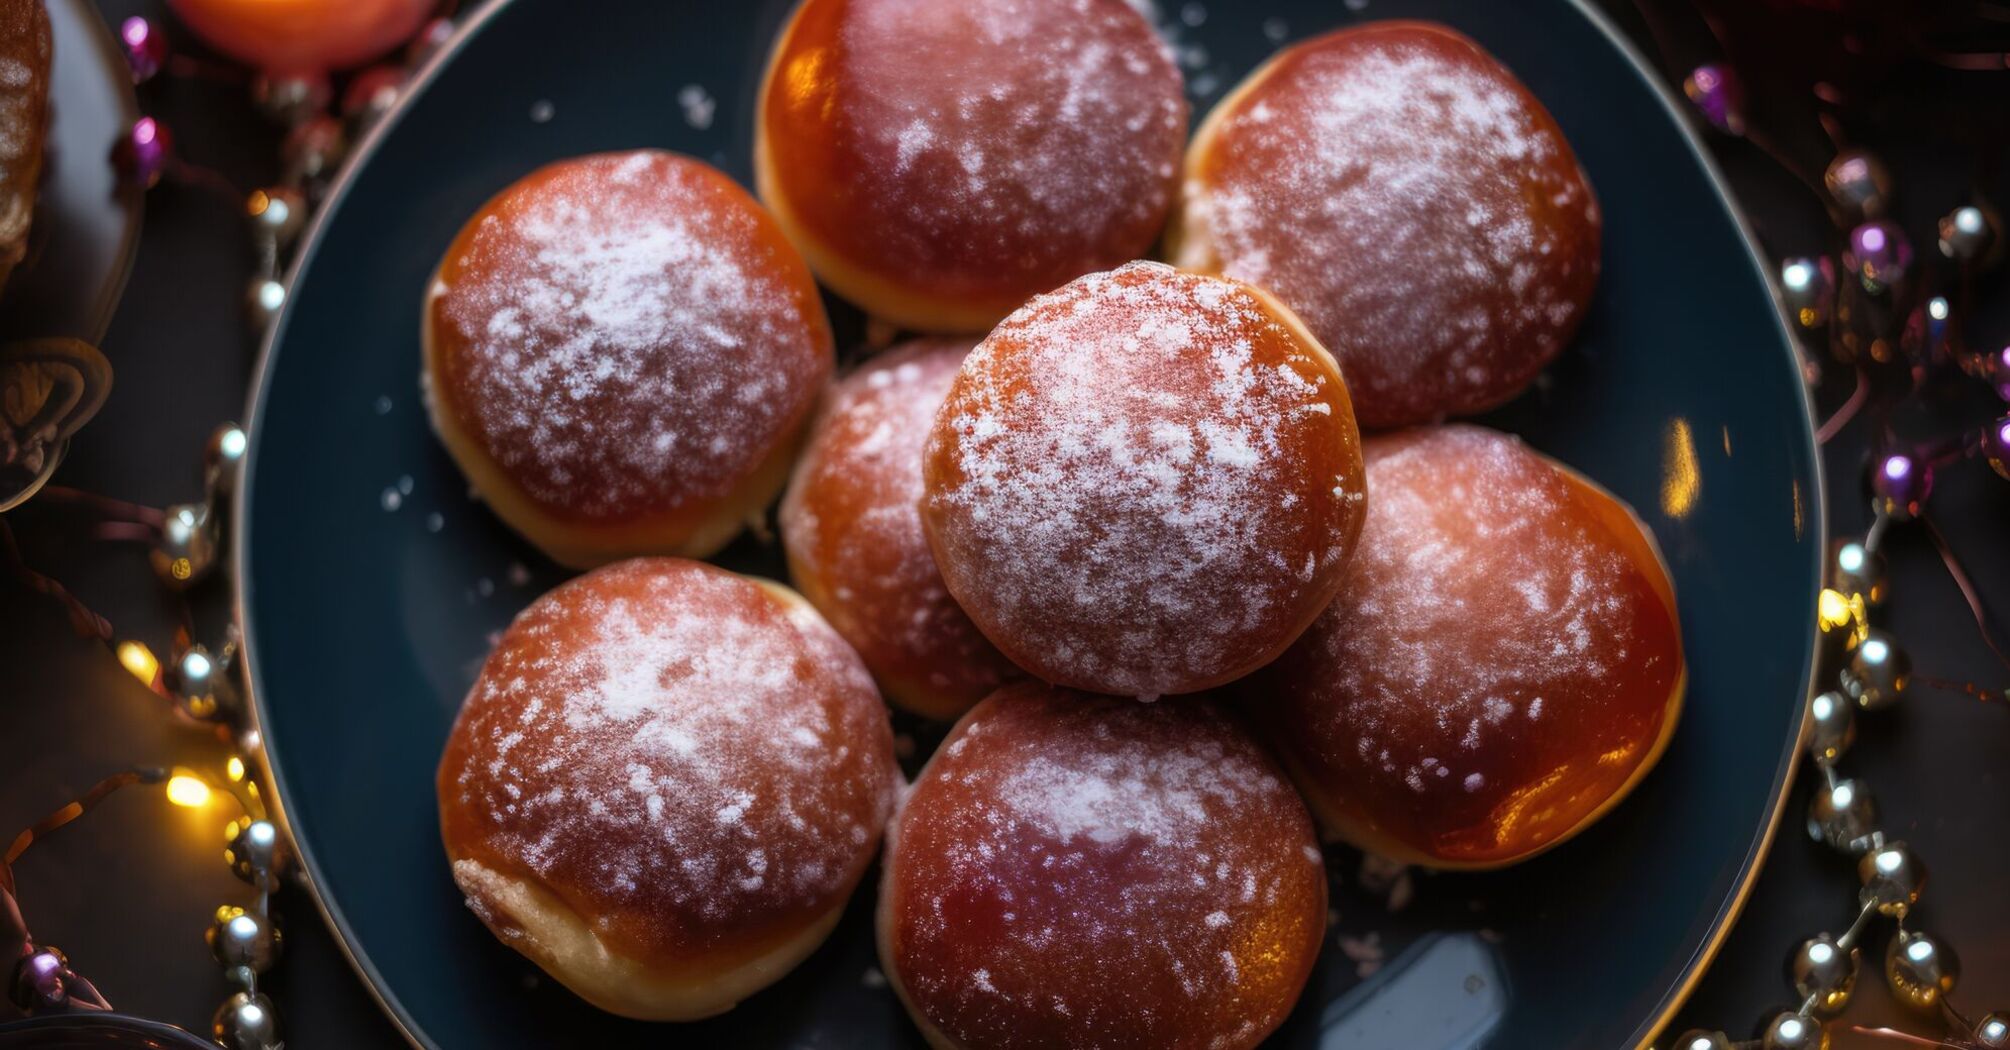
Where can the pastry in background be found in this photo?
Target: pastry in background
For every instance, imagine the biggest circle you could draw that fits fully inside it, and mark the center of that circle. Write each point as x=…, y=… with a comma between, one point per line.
x=851, y=525
x=1502, y=666
x=621, y=351
x=939, y=161
x=1400, y=189
x=25, y=53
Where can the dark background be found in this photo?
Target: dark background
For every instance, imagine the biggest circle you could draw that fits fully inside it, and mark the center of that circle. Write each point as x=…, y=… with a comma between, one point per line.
x=128, y=892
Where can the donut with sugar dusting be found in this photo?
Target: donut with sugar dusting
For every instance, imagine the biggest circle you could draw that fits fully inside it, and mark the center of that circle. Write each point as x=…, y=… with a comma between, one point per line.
x=1147, y=481
x=1089, y=871
x=665, y=784
x=1503, y=665
x=621, y=351
x=851, y=526
x=940, y=161
x=1400, y=189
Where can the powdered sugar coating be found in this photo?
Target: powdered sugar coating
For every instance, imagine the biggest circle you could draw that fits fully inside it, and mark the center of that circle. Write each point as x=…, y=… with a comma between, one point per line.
x=1144, y=482
x=689, y=760
x=1094, y=872
x=1499, y=662
x=988, y=150
x=1396, y=186
x=625, y=334
x=851, y=523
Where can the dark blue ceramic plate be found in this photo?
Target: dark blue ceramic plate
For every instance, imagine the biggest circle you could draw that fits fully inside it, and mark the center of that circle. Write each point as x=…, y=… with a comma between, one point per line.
x=372, y=583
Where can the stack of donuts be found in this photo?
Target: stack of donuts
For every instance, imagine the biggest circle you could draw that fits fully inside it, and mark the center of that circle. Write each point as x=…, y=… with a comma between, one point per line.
x=1114, y=518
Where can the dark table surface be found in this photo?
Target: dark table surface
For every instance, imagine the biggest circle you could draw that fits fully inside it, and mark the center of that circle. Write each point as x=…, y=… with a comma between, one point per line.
x=128, y=892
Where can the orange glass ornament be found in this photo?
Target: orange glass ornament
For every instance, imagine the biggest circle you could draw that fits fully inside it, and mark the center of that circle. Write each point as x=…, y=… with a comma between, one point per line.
x=303, y=36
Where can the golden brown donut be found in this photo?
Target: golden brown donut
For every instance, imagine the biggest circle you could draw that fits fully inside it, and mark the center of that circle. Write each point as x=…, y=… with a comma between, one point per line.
x=1403, y=192
x=1503, y=664
x=1093, y=872
x=940, y=161
x=851, y=525
x=621, y=350
x=665, y=784
x=1145, y=482
x=25, y=52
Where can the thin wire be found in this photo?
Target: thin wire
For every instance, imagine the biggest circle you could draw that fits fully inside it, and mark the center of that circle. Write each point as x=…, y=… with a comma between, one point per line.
x=86, y=623
x=1834, y=424
x=73, y=809
x=1974, y=600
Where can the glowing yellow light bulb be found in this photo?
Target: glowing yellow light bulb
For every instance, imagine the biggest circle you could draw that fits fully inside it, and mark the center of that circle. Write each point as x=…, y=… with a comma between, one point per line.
x=139, y=661
x=234, y=767
x=186, y=789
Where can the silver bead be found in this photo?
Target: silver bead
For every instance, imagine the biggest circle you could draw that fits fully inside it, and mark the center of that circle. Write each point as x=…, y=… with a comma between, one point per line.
x=1920, y=970
x=1824, y=973
x=1878, y=671
x=277, y=213
x=1698, y=1039
x=240, y=938
x=1844, y=816
x=1831, y=726
x=1791, y=1031
x=1858, y=181
x=258, y=855
x=263, y=299
x=201, y=685
x=1966, y=234
x=290, y=100
x=187, y=549
x=1993, y=1031
x=245, y=1021
x=223, y=460
x=1856, y=569
x=1808, y=289
x=1892, y=878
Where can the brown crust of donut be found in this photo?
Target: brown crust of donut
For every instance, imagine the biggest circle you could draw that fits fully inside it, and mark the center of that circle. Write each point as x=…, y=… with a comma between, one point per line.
x=1188, y=245
x=836, y=544
x=886, y=298
x=697, y=529
x=939, y=467
x=589, y=941
x=885, y=918
x=1338, y=822
x=24, y=39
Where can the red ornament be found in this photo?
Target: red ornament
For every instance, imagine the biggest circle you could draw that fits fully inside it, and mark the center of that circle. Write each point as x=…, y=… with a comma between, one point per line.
x=303, y=36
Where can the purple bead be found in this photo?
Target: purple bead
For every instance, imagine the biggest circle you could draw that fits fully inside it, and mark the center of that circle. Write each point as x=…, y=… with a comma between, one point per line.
x=146, y=49
x=1901, y=484
x=142, y=154
x=1879, y=255
x=38, y=984
x=1996, y=446
x=2000, y=376
x=1719, y=96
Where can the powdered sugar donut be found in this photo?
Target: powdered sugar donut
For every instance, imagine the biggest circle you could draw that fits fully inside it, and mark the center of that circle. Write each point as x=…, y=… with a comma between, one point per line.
x=1403, y=192
x=1502, y=666
x=665, y=784
x=1088, y=871
x=938, y=162
x=1144, y=482
x=851, y=524
x=621, y=350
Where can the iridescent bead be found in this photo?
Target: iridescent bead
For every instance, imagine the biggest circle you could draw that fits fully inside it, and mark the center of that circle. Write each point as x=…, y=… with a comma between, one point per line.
x=1718, y=95
x=1856, y=569
x=245, y=1021
x=1966, y=234
x=1879, y=255
x=1698, y=1039
x=1901, y=484
x=146, y=49
x=1993, y=1031
x=143, y=153
x=1858, y=182
x=1878, y=671
x=239, y=938
x=1789, y=1030
x=1920, y=970
x=1824, y=973
x=1892, y=879
x=291, y=99
x=1844, y=816
x=1996, y=446
x=1831, y=726
x=1808, y=289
